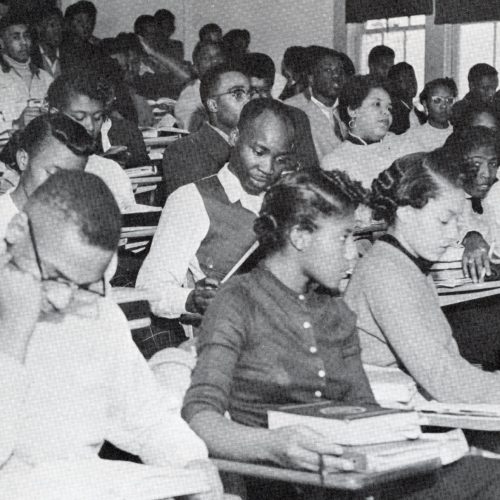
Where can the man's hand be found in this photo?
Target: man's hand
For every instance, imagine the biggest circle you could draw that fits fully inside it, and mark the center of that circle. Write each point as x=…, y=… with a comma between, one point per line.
x=299, y=447
x=29, y=114
x=202, y=295
x=475, y=260
x=20, y=306
x=211, y=474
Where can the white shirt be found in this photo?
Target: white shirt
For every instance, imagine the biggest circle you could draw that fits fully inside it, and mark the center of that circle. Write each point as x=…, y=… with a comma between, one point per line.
x=7, y=211
x=328, y=111
x=188, y=104
x=171, y=267
x=424, y=138
x=14, y=93
x=115, y=178
x=363, y=163
x=84, y=381
x=487, y=223
x=54, y=67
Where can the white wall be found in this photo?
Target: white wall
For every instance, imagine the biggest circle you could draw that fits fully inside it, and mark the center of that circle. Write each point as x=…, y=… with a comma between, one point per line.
x=273, y=24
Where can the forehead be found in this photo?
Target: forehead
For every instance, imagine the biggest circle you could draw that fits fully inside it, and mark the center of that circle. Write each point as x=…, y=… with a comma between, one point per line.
x=82, y=102
x=231, y=79
x=442, y=90
x=15, y=29
x=485, y=119
x=81, y=17
x=378, y=94
x=210, y=51
x=487, y=151
x=268, y=131
x=488, y=81
x=329, y=61
x=53, y=18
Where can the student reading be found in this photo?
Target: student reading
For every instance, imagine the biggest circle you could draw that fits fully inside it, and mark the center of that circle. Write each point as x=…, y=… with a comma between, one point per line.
x=399, y=317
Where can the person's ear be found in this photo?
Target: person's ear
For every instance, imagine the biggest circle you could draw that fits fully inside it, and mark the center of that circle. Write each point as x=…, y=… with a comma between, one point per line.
x=353, y=113
x=22, y=159
x=300, y=238
x=234, y=136
x=17, y=229
x=212, y=105
x=405, y=214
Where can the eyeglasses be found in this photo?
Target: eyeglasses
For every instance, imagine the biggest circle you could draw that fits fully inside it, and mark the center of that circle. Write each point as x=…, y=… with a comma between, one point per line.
x=239, y=94
x=437, y=99
x=59, y=280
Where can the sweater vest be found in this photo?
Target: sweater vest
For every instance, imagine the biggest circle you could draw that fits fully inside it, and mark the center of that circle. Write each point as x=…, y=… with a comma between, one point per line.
x=230, y=233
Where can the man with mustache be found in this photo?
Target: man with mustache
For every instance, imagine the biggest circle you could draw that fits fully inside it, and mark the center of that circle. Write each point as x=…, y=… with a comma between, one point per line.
x=23, y=86
x=319, y=102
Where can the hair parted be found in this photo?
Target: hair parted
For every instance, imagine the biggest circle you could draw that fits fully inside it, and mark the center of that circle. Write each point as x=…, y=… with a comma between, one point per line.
x=412, y=181
x=299, y=199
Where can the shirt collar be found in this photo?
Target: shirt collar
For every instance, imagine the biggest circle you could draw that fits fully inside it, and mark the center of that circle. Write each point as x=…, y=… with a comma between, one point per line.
x=423, y=264
x=322, y=106
x=220, y=132
x=235, y=192
x=44, y=53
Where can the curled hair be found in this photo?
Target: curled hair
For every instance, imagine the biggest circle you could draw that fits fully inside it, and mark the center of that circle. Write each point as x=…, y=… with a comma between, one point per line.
x=299, y=199
x=434, y=84
x=84, y=200
x=412, y=181
x=90, y=83
x=461, y=143
x=355, y=91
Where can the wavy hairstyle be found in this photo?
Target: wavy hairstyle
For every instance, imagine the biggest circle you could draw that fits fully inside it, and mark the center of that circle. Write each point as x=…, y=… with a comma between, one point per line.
x=412, y=181
x=299, y=199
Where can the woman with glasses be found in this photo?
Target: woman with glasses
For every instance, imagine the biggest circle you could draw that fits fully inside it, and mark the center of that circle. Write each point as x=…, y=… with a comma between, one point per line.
x=365, y=106
x=437, y=98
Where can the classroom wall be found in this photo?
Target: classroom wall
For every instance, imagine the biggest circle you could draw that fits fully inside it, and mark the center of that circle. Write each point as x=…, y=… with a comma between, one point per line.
x=273, y=24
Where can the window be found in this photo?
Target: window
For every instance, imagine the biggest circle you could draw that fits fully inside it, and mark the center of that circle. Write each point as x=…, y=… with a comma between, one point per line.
x=405, y=35
x=477, y=43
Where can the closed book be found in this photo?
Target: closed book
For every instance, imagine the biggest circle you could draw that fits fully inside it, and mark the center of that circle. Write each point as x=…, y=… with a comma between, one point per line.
x=350, y=425
x=388, y=456
x=390, y=384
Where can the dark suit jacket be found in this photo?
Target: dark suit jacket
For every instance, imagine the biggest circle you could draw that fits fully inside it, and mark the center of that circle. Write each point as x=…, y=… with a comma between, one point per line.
x=304, y=143
x=191, y=158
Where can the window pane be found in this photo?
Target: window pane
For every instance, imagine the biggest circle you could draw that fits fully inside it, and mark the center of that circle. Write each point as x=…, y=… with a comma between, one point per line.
x=368, y=42
x=417, y=20
x=376, y=24
x=415, y=54
x=396, y=41
x=401, y=22
x=476, y=45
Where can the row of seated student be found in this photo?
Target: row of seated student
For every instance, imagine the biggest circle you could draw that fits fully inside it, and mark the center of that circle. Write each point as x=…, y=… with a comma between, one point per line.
x=278, y=334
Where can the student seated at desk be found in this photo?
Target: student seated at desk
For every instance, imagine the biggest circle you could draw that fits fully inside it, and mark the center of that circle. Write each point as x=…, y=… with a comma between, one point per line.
x=206, y=226
x=476, y=153
x=47, y=145
x=23, y=86
x=72, y=374
x=280, y=335
x=365, y=107
x=400, y=320
x=85, y=96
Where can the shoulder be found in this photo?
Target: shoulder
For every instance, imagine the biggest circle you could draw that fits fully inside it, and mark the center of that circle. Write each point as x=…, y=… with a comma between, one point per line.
x=338, y=158
x=98, y=164
x=298, y=101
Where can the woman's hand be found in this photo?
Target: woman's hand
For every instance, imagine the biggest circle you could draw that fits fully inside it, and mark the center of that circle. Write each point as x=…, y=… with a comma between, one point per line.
x=299, y=447
x=475, y=260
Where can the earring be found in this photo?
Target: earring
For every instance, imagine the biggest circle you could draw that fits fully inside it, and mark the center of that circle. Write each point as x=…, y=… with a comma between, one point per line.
x=351, y=123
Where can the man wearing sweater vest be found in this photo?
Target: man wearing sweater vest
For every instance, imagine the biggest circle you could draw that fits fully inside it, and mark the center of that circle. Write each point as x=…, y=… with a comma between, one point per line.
x=23, y=86
x=207, y=226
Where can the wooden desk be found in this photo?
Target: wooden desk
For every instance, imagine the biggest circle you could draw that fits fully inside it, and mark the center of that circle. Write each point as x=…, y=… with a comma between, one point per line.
x=344, y=481
x=466, y=293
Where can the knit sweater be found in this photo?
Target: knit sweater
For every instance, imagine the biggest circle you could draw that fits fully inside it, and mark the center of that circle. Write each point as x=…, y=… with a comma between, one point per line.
x=400, y=322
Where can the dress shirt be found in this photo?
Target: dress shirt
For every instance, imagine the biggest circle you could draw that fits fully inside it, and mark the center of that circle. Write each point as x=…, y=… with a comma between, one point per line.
x=171, y=267
x=263, y=345
x=331, y=113
x=7, y=210
x=115, y=178
x=53, y=68
x=487, y=223
x=84, y=381
x=401, y=323
x=14, y=93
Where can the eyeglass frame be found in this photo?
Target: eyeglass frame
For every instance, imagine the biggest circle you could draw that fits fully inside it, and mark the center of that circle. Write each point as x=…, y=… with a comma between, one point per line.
x=248, y=93
x=437, y=99
x=69, y=284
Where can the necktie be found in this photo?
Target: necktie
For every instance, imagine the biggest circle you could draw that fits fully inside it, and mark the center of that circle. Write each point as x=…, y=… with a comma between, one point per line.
x=477, y=206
